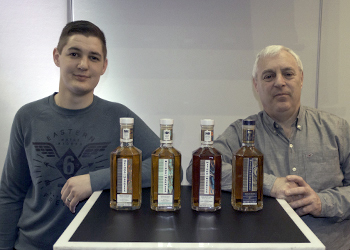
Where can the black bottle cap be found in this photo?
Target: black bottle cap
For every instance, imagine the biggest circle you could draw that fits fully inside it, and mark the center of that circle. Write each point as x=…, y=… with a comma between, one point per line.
x=248, y=122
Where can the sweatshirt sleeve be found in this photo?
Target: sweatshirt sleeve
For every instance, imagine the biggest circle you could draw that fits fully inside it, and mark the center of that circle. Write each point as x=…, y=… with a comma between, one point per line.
x=145, y=140
x=15, y=182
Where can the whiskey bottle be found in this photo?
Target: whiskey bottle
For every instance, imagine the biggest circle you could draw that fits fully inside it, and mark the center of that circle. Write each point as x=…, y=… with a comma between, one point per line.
x=206, y=172
x=166, y=171
x=247, y=173
x=126, y=174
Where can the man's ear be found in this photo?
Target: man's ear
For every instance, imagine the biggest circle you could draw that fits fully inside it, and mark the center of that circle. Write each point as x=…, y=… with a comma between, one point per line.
x=56, y=57
x=302, y=79
x=255, y=84
x=105, y=64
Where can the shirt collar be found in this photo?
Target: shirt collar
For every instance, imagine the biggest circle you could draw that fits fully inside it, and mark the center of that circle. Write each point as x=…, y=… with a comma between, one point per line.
x=300, y=118
x=275, y=127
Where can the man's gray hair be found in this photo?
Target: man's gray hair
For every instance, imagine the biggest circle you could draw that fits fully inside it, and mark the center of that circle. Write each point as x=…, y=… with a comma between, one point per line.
x=274, y=50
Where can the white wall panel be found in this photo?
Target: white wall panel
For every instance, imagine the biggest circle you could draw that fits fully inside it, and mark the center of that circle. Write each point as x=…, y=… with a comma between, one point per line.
x=29, y=30
x=334, y=85
x=192, y=59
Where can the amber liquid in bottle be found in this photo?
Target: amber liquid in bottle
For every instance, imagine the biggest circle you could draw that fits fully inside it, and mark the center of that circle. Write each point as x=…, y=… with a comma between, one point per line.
x=206, y=173
x=166, y=174
x=126, y=175
x=247, y=174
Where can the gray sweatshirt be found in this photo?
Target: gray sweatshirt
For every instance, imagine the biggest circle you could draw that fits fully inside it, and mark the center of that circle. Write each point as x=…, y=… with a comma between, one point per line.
x=48, y=145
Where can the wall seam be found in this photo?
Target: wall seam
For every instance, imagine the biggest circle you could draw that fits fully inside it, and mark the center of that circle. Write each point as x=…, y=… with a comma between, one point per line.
x=318, y=53
x=70, y=13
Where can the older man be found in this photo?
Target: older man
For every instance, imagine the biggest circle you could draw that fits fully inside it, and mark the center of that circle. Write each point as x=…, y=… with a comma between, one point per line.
x=306, y=151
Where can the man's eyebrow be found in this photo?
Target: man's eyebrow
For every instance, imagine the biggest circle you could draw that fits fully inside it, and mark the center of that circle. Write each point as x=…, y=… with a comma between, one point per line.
x=267, y=71
x=273, y=71
x=74, y=48
x=288, y=68
x=91, y=52
x=95, y=53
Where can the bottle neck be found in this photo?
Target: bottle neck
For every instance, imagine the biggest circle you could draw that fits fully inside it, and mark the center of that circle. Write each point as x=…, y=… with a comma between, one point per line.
x=166, y=144
x=126, y=135
x=248, y=136
x=248, y=144
x=166, y=136
x=206, y=144
x=126, y=144
x=207, y=135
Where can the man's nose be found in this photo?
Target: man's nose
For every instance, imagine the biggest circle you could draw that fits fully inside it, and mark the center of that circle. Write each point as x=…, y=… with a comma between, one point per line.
x=83, y=63
x=280, y=81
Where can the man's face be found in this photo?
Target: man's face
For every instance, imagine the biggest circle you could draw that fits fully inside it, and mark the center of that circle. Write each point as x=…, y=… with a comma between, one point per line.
x=82, y=63
x=278, y=83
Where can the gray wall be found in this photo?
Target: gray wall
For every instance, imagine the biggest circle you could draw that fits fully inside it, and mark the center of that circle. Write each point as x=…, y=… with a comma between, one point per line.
x=180, y=59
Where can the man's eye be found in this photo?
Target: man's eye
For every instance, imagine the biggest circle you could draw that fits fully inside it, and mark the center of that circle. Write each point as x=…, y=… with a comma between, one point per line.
x=288, y=74
x=267, y=77
x=73, y=54
x=94, y=58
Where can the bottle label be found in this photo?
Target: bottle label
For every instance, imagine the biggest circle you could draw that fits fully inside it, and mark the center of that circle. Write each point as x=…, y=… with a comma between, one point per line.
x=124, y=200
x=124, y=182
x=206, y=183
x=248, y=135
x=250, y=181
x=166, y=135
x=165, y=183
x=207, y=135
x=126, y=133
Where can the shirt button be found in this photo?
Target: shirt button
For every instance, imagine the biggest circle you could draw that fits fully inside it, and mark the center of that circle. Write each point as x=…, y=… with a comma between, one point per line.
x=291, y=145
x=294, y=169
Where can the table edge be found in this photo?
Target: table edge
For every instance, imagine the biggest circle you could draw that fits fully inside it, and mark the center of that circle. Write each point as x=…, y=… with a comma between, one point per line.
x=63, y=242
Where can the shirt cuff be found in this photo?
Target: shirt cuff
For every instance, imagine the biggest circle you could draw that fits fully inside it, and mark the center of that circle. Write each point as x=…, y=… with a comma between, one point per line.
x=269, y=181
x=326, y=204
x=100, y=179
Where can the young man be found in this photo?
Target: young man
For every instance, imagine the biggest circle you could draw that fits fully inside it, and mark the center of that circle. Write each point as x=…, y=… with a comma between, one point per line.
x=306, y=151
x=60, y=145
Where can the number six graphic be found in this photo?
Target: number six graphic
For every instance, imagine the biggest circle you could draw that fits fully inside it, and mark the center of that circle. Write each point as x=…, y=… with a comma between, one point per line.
x=68, y=165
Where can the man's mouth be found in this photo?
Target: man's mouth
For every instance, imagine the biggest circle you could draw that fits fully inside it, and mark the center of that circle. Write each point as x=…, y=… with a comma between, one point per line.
x=81, y=77
x=281, y=94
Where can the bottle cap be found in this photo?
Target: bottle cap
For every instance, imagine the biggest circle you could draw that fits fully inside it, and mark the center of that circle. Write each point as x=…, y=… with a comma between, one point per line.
x=248, y=122
x=126, y=120
x=208, y=122
x=166, y=121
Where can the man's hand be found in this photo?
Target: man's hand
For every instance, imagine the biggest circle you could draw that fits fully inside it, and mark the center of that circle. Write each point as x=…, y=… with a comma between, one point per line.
x=280, y=187
x=76, y=189
x=309, y=202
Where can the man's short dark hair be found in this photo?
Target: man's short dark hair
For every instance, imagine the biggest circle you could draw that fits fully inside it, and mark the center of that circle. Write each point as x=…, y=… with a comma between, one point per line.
x=81, y=27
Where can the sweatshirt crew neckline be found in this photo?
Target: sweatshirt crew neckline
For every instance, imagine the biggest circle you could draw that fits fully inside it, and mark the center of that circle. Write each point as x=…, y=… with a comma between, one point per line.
x=72, y=112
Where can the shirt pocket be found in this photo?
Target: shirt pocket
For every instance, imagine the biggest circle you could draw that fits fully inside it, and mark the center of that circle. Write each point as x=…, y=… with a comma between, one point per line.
x=322, y=170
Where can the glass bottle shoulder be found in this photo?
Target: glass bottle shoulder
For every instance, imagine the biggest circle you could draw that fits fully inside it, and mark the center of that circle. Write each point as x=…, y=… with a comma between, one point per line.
x=166, y=151
x=248, y=151
x=126, y=150
x=206, y=151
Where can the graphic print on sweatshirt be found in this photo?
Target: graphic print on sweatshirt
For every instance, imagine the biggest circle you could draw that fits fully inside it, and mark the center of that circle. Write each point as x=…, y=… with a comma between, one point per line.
x=62, y=156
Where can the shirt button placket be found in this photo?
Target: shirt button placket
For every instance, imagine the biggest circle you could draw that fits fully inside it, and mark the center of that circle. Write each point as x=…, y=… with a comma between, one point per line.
x=291, y=159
